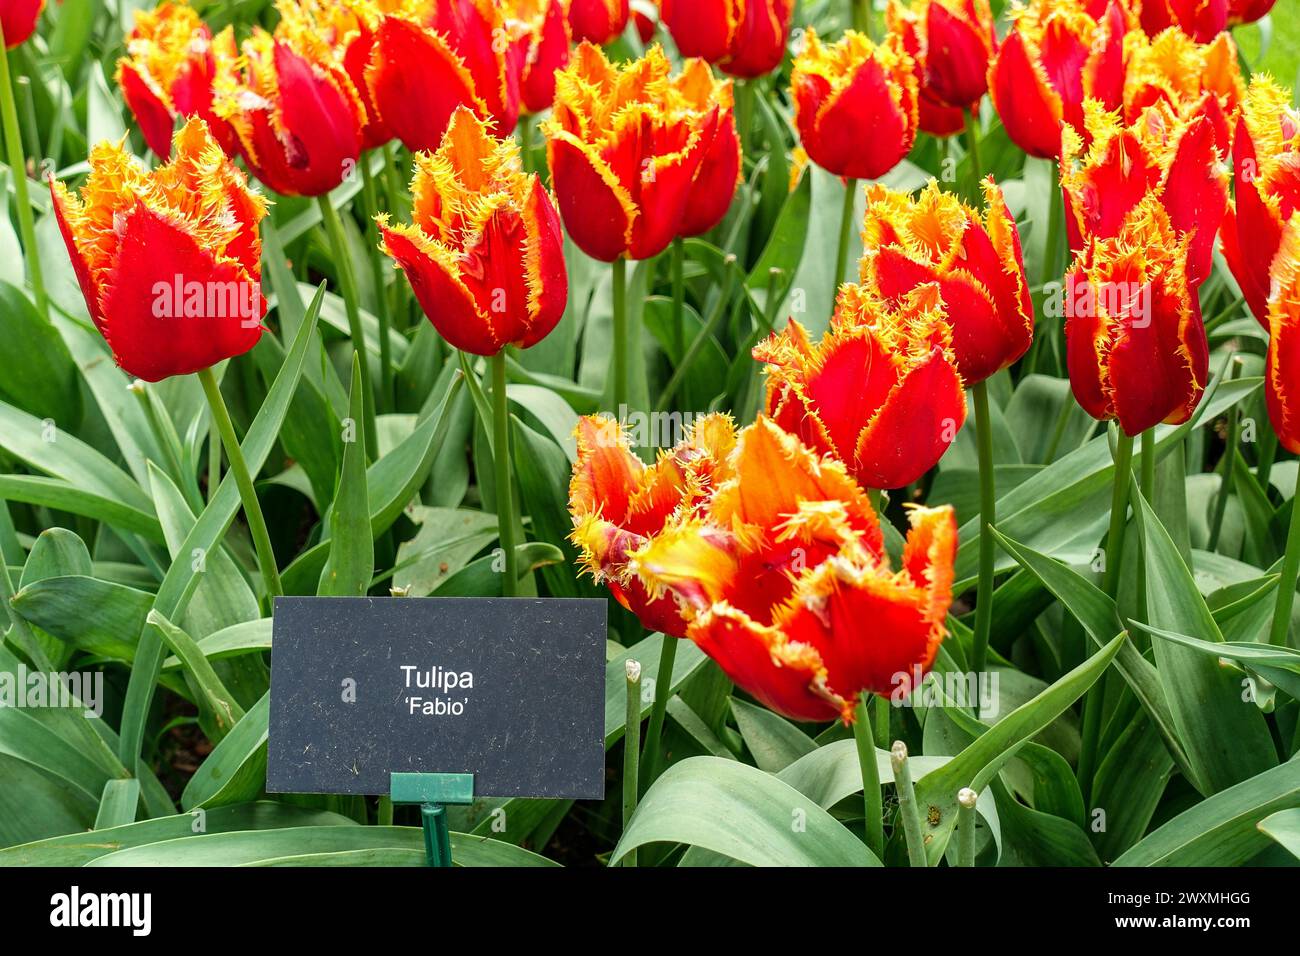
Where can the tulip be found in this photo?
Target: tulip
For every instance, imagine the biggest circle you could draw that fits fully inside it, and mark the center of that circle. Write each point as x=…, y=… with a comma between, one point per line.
x=1199, y=19
x=1282, y=376
x=880, y=392
x=1189, y=78
x=168, y=72
x=784, y=581
x=1058, y=53
x=976, y=261
x=959, y=34
x=598, y=21
x=744, y=38
x=484, y=254
x=855, y=104
x=18, y=20
x=168, y=260
x=295, y=112
x=1266, y=169
x=1136, y=346
x=933, y=115
x=1160, y=156
x=1247, y=11
x=432, y=56
x=544, y=43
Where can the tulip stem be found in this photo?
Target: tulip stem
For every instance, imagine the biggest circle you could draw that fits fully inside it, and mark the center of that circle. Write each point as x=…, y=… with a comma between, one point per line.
x=907, y=808
x=631, y=749
x=679, y=293
x=846, y=231
x=1229, y=460
x=973, y=144
x=618, y=274
x=1052, y=268
x=343, y=263
x=1147, y=485
x=650, y=756
x=370, y=197
x=966, y=800
x=18, y=170
x=244, y=482
x=863, y=18
x=1277, y=635
x=988, y=515
x=501, y=461
x=1267, y=453
x=875, y=823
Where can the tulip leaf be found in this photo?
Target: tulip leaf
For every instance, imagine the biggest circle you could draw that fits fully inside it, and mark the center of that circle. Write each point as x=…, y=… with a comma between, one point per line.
x=351, y=562
x=217, y=706
x=93, y=615
x=235, y=770
x=40, y=376
x=1283, y=828
x=774, y=742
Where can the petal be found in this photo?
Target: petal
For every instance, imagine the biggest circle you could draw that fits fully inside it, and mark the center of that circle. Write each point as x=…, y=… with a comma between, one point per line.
x=717, y=177
x=699, y=29
x=548, y=279
x=150, y=112
x=957, y=59
x=668, y=161
x=1087, y=337
x=321, y=121
x=1258, y=226
x=860, y=132
x=1283, y=374
x=19, y=18
x=85, y=278
x=548, y=52
x=1195, y=193
x=605, y=472
x=595, y=207
x=758, y=42
x=1104, y=73
x=1029, y=107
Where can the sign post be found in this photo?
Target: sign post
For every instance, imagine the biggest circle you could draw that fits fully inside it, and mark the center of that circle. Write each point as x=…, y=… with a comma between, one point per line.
x=433, y=792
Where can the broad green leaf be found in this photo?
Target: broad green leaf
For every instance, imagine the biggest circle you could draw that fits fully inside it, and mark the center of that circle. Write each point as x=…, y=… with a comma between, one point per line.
x=40, y=376
x=1283, y=827
x=235, y=770
x=351, y=562
x=215, y=701
x=774, y=741
x=92, y=615
x=64, y=495
x=117, y=806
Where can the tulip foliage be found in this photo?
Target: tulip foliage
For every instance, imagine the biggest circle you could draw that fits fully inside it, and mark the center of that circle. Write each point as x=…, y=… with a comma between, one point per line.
x=918, y=377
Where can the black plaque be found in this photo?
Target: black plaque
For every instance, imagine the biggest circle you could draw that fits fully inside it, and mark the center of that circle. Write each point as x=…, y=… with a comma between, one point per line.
x=511, y=690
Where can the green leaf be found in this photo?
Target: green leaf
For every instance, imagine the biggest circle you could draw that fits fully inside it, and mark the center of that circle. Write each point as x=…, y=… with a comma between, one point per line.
x=689, y=659
x=1283, y=827
x=246, y=638
x=214, y=700
x=118, y=804
x=93, y=615
x=351, y=562
x=774, y=741
x=40, y=376
x=235, y=770
x=64, y=495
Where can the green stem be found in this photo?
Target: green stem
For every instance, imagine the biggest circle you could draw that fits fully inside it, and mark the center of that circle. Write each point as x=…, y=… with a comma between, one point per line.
x=988, y=515
x=1277, y=635
x=370, y=198
x=846, y=231
x=973, y=144
x=244, y=481
x=907, y=808
x=875, y=823
x=966, y=800
x=501, y=460
x=214, y=461
x=1147, y=484
x=619, y=279
x=744, y=105
x=862, y=17
x=631, y=749
x=1267, y=455
x=651, y=756
x=18, y=170
x=677, y=266
x=697, y=344
x=1052, y=268
x=1229, y=461
x=384, y=815
x=526, y=141
x=343, y=263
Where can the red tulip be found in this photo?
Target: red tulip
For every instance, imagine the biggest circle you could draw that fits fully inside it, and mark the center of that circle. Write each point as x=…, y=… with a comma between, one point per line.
x=976, y=261
x=880, y=392
x=1199, y=19
x=745, y=38
x=951, y=42
x=855, y=104
x=168, y=260
x=168, y=73
x=1283, y=374
x=485, y=254
x=1189, y=78
x=295, y=112
x=18, y=19
x=598, y=21
x=1136, y=346
x=1058, y=53
x=1247, y=11
x=544, y=48
x=933, y=116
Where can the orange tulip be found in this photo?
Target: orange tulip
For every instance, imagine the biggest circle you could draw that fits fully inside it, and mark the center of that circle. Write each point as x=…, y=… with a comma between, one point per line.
x=1160, y=156
x=976, y=261
x=168, y=73
x=544, y=48
x=1058, y=53
x=1266, y=169
x=18, y=19
x=880, y=392
x=1199, y=19
x=1189, y=78
x=168, y=260
x=855, y=104
x=1135, y=343
x=598, y=21
x=485, y=254
x=619, y=504
x=1283, y=370
x=745, y=38
x=784, y=580
x=637, y=156
x=295, y=111
x=951, y=42
x=431, y=56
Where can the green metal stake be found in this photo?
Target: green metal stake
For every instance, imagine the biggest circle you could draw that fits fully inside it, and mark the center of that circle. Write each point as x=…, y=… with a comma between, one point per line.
x=433, y=792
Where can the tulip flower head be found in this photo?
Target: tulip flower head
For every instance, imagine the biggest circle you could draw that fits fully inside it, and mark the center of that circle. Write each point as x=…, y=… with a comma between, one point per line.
x=18, y=19
x=544, y=41
x=294, y=109
x=637, y=156
x=744, y=38
x=784, y=580
x=1266, y=170
x=484, y=254
x=169, y=259
x=952, y=42
x=1190, y=78
x=598, y=21
x=1283, y=366
x=880, y=392
x=855, y=103
x=168, y=73
x=1135, y=343
x=1057, y=54
x=1201, y=20
x=975, y=259
x=1247, y=11
x=619, y=504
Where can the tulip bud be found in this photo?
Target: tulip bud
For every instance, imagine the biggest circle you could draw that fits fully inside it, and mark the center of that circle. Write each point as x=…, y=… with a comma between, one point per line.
x=485, y=254
x=168, y=260
x=1283, y=368
x=598, y=21
x=745, y=38
x=1199, y=19
x=544, y=43
x=951, y=42
x=855, y=104
x=18, y=19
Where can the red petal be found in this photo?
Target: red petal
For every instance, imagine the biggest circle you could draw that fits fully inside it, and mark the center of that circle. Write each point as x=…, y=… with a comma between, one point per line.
x=447, y=303
x=1157, y=370
x=957, y=60
x=717, y=177
x=1030, y=109
x=1086, y=336
x=698, y=29
x=861, y=133
x=1196, y=196
x=154, y=118
x=416, y=104
x=593, y=211
x=552, y=290
x=1258, y=228
x=758, y=45
x=19, y=19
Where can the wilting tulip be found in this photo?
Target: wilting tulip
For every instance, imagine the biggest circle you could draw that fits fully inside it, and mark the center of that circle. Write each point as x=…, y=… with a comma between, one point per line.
x=637, y=156
x=1247, y=11
x=1160, y=156
x=1058, y=53
x=431, y=56
x=295, y=112
x=1199, y=19
x=18, y=19
x=745, y=38
x=1189, y=78
x=1283, y=374
x=951, y=42
x=168, y=73
x=619, y=504
x=1266, y=169
x=855, y=104
x=168, y=260
x=544, y=42
x=976, y=261
x=598, y=21
x=880, y=392
x=786, y=584
x=1135, y=342
x=484, y=255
